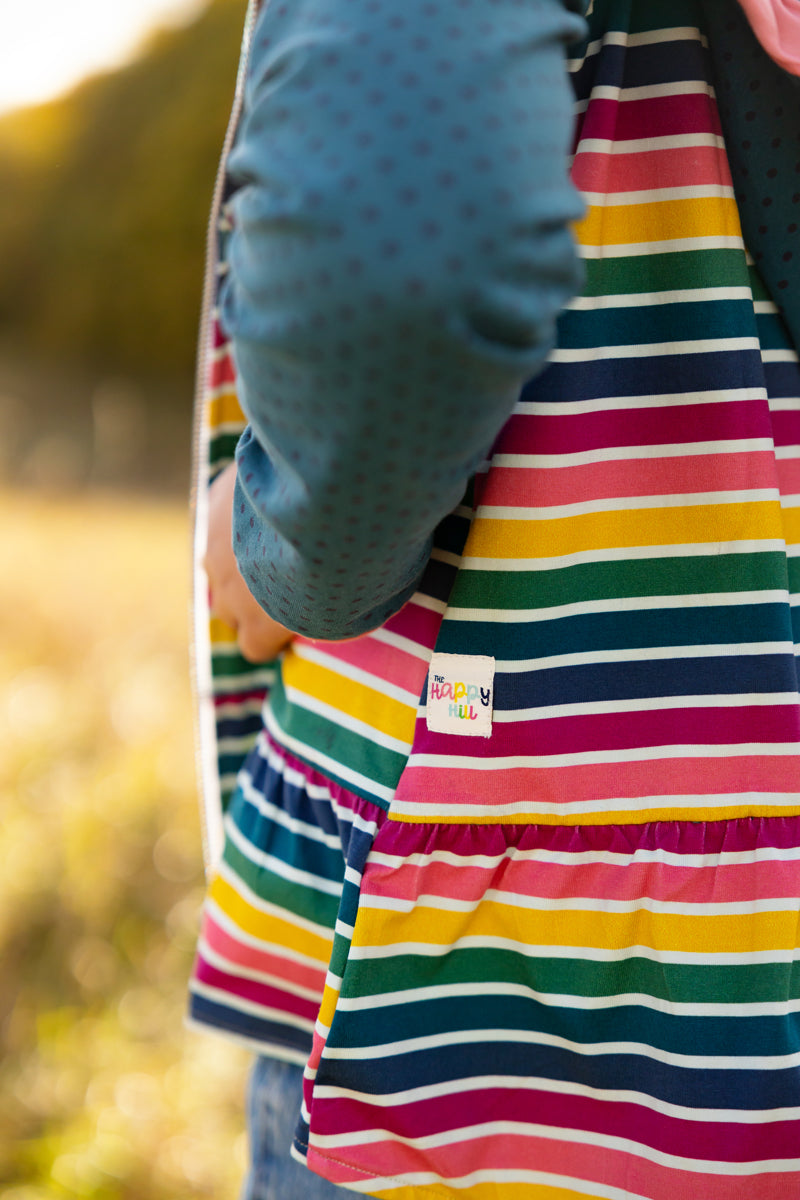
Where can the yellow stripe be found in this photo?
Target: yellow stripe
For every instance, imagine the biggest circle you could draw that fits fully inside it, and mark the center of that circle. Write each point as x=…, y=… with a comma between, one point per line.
x=697, y=934
x=225, y=410
x=791, y=526
x=431, y=815
x=357, y=700
x=269, y=928
x=658, y=221
x=327, y=1009
x=501, y=538
x=221, y=633
x=488, y=1190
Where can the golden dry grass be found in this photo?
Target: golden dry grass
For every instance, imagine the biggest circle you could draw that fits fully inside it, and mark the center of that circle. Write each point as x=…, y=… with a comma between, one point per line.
x=103, y=1093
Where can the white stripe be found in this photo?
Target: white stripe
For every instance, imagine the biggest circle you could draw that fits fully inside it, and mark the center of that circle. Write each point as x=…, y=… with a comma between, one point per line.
x=575, y=859
x=643, y=654
x=559, y=408
x=242, y=972
x=649, y=349
x=765, y=306
x=555, y=612
x=578, y=904
x=556, y=512
x=448, y=991
x=598, y=757
x=233, y=711
x=558, y=1087
x=707, y=191
x=667, y=141
x=609, y=252
x=617, y=553
x=648, y=299
x=771, y=356
x=314, y=654
x=652, y=704
x=431, y=603
x=533, y=811
x=338, y=717
x=445, y=556
x=581, y=458
x=622, y=37
x=398, y=642
x=784, y=404
x=278, y=866
x=235, y=683
x=574, y=953
x=237, y=745
x=604, y=1141
x=530, y=1037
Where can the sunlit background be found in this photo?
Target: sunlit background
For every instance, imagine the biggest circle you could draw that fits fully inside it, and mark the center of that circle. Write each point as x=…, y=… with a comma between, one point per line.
x=105, y=183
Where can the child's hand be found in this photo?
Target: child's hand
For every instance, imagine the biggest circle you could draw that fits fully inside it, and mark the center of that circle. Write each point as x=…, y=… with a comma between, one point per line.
x=259, y=637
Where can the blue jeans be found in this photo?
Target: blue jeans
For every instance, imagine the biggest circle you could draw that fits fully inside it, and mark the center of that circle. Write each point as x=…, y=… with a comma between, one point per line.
x=273, y=1105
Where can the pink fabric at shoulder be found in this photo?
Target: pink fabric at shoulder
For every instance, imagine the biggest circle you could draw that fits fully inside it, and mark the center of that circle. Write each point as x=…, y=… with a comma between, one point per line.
x=776, y=24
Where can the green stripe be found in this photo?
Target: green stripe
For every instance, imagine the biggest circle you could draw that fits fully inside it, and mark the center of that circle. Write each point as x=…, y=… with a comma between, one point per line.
x=614, y=580
x=222, y=448
x=678, y=982
x=293, y=897
x=665, y=272
x=315, y=733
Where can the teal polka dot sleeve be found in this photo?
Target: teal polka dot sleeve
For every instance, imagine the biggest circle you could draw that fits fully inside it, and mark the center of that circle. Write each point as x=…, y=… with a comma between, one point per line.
x=400, y=253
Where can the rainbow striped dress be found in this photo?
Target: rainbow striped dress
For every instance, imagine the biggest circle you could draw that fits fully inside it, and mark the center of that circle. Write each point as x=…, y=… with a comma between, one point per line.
x=561, y=960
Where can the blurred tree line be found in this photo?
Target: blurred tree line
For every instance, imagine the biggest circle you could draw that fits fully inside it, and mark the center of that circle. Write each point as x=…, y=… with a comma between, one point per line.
x=104, y=200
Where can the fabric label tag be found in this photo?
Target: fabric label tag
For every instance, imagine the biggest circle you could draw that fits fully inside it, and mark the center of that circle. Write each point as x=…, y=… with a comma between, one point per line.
x=460, y=694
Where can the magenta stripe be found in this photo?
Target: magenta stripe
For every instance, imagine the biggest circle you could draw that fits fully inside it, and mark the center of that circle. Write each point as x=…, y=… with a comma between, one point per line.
x=660, y=116
x=736, y=836
x=263, y=995
x=625, y=731
x=723, y=1140
x=635, y=427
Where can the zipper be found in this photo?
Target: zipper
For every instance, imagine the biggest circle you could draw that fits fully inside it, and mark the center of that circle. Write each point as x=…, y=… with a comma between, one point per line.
x=205, y=736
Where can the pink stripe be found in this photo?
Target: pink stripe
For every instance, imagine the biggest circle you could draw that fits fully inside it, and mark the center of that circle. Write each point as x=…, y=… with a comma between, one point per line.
x=555, y=881
x=252, y=958
x=380, y=660
x=534, y=487
x=660, y=116
x=788, y=476
x=758, y=775
x=561, y=1157
x=222, y=371
x=722, y=1141
x=626, y=731
x=648, y=170
x=255, y=993
x=637, y=427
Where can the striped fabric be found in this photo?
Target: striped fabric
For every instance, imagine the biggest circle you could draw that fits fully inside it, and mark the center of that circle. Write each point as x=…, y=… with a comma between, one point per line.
x=573, y=971
x=565, y=959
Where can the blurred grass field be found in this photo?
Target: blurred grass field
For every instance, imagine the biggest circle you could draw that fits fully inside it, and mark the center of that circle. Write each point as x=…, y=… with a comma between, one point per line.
x=103, y=1093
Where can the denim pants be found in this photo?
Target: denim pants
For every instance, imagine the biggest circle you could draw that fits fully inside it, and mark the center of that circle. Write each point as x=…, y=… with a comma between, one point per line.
x=273, y=1105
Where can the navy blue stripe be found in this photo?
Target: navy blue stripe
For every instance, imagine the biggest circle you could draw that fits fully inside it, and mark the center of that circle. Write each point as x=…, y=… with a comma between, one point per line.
x=636, y=680
x=597, y=379
x=695, y=1088
x=249, y=1026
